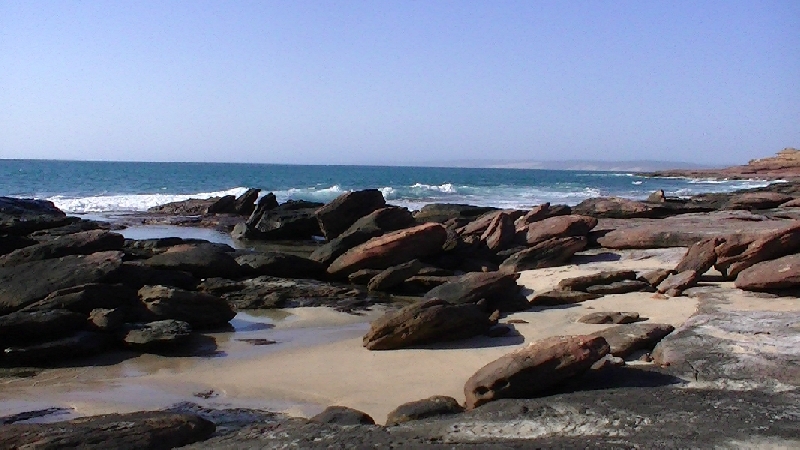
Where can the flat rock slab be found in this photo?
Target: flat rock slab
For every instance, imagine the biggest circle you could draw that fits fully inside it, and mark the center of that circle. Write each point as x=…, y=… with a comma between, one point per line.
x=82, y=243
x=781, y=273
x=675, y=284
x=604, y=277
x=555, y=298
x=611, y=317
x=437, y=405
x=629, y=338
x=752, y=347
x=134, y=431
x=620, y=287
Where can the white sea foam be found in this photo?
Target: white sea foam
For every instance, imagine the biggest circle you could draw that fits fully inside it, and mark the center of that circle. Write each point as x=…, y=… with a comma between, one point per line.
x=130, y=202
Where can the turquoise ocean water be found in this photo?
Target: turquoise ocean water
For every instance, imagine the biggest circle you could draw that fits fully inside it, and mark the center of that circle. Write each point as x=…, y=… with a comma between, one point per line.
x=98, y=187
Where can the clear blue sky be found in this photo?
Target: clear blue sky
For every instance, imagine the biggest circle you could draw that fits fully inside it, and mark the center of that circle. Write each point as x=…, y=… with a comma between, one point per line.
x=399, y=81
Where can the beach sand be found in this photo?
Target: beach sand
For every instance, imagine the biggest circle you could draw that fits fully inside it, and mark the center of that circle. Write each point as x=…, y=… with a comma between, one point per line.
x=319, y=360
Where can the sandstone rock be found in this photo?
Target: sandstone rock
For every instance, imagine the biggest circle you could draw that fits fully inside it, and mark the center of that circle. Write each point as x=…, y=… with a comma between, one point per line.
x=190, y=207
x=245, y=204
x=499, y=289
x=426, y=322
x=338, y=215
x=26, y=283
x=223, y=205
x=478, y=226
x=757, y=200
x=266, y=203
x=395, y=275
x=83, y=243
x=534, y=369
x=199, y=309
x=156, y=335
x=550, y=253
x=623, y=340
x=541, y=212
x=559, y=227
x=604, y=277
x=292, y=220
x=701, y=256
x=280, y=265
x=655, y=277
x=617, y=208
x=675, y=284
x=363, y=276
x=620, y=287
x=437, y=405
x=391, y=249
x=610, y=317
x=774, y=245
x=134, y=274
x=86, y=297
x=442, y=212
x=109, y=320
x=201, y=260
x=421, y=284
x=781, y=273
x=20, y=216
x=372, y=225
x=80, y=344
x=138, y=430
x=556, y=297
x=342, y=415
x=500, y=232
x=23, y=327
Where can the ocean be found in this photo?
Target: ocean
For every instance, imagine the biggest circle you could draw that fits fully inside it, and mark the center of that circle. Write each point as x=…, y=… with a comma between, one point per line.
x=83, y=187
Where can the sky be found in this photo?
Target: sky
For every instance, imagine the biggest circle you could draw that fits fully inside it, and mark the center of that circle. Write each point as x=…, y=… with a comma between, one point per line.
x=399, y=82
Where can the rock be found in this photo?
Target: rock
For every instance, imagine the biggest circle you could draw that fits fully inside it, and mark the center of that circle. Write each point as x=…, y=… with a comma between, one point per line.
x=342, y=415
x=280, y=265
x=556, y=298
x=675, y=284
x=363, y=276
x=559, y=227
x=500, y=232
x=139, y=430
x=655, y=277
x=391, y=249
x=265, y=203
x=620, y=287
x=74, y=225
x=294, y=220
x=338, y=215
x=370, y=226
x=604, y=277
x=534, y=369
x=20, y=216
x=701, y=256
x=190, y=207
x=135, y=274
x=426, y=322
x=624, y=340
x=657, y=197
x=781, y=273
x=618, y=208
x=201, y=260
x=25, y=327
x=442, y=212
x=610, y=317
x=774, y=245
x=224, y=205
x=80, y=344
x=10, y=243
x=395, y=275
x=479, y=226
x=541, y=212
x=87, y=297
x=421, y=284
x=83, y=243
x=499, y=289
x=26, y=283
x=245, y=204
x=199, y=309
x=550, y=253
x=156, y=335
x=757, y=200
x=438, y=405
x=108, y=320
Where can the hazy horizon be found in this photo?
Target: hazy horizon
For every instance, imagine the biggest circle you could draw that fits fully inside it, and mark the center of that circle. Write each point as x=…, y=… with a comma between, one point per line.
x=399, y=83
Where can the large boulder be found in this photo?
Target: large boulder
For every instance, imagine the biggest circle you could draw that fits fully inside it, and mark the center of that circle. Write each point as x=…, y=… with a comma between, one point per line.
x=757, y=200
x=266, y=203
x=541, y=212
x=199, y=309
x=395, y=275
x=780, y=273
x=21, y=216
x=701, y=256
x=427, y=322
x=391, y=249
x=675, y=284
x=372, y=225
x=442, y=212
x=295, y=219
x=559, y=297
x=559, y=227
x=438, y=405
x=23, y=327
x=623, y=340
x=26, y=283
x=534, y=369
x=83, y=243
x=245, y=204
x=224, y=205
x=499, y=289
x=280, y=265
x=201, y=260
x=86, y=297
x=139, y=430
x=618, y=208
x=337, y=216
x=550, y=253
x=500, y=232
x=774, y=245
x=156, y=335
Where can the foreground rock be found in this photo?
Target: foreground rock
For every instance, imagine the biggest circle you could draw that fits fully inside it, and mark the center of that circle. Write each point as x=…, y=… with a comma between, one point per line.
x=199, y=309
x=781, y=273
x=549, y=253
x=342, y=415
x=534, y=369
x=427, y=322
x=22, y=216
x=499, y=289
x=437, y=405
x=139, y=430
x=733, y=259
x=623, y=340
x=337, y=216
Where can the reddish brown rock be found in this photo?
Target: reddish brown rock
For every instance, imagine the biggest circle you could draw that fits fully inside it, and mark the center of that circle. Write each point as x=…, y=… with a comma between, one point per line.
x=618, y=208
x=533, y=369
x=757, y=200
x=550, y=253
x=774, y=245
x=655, y=277
x=623, y=340
x=499, y=289
x=500, y=232
x=604, y=277
x=199, y=309
x=560, y=226
x=338, y=215
x=701, y=256
x=610, y=317
x=437, y=405
x=555, y=298
x=82, y=243
x=541, y=212
x=781, y=273
x=620, y=287
x=395, y=275
x=675, y=284
x=391, y=249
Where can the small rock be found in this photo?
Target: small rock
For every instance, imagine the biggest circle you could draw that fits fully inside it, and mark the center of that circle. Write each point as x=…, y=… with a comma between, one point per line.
x=342, y=415
x=674, y=285
x=620, y=287
x=610, y=317
x=437, y=405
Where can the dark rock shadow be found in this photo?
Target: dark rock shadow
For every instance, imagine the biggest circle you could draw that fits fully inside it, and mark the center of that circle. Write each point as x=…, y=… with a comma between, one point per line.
x=196, y=345
x=512, y=338
x=599, y=257
x=618, y=377
x=538, y=308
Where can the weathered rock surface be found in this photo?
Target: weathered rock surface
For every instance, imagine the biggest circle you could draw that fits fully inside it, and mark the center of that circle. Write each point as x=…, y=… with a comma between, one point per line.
x=135, y=274
x=438, y=405
x=781, y=273
x=442, y=212
x=541, y=212
x=550, y=253
x=280, y=265
x=675, y=284
x=655, y=277
x=391, y=249
x=86, y=297
x=623, y=340
x=534, y=369
x=156, y=335
x=109, y=320
x=618, y=208
x=24, y=327
x=394, y=276
x=294, y=219
x=199, y=309
x=26, y=283
x=610, y=317
x=701, y=256
x=342, y=415
x=338, y=215
x=224, y=205
x=500, y=233
x=19, y=216
x=499, y=289
x=558, y=297
x=620, y=287
x=82, y=343
x=83, y=243
x=774, y=245
x=757, y=200
x=245, y=204
x=604, y=277
x=201, y=260
x=427, y=322
x=133, y=431
x=559, y=227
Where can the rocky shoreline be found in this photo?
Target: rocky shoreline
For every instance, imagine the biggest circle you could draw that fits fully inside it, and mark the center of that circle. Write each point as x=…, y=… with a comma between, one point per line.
x=73, y=288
